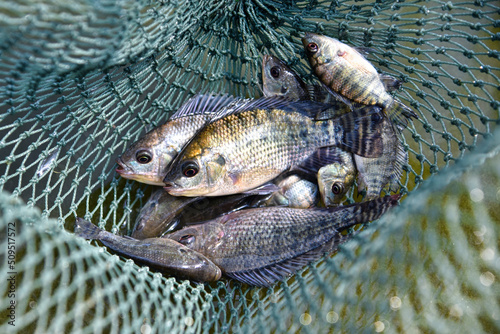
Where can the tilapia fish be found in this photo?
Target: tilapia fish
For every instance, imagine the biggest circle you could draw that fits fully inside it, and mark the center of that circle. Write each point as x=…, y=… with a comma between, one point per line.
x=351, y=77
x=280, y=80
x=334, y=180
x=147, y=159
x=162, y=254
x=374, y=174
x=263, y=245
x=250, y=146
x=164, y=213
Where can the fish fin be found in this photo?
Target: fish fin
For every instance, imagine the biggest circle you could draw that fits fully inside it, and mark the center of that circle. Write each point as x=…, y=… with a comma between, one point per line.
x=307, y=108
x=361, y=133
x=321, y=157
x=204, y=104
x=85, y=229
x=265, y=189
x=401, y=160
x=396, y=110
x=391, y=83
x=266, y=276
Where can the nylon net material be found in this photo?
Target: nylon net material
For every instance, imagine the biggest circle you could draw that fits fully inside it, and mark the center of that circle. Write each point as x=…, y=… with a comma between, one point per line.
x=79, y=82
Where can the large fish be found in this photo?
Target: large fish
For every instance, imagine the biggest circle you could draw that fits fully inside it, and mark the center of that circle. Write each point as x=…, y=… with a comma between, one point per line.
x=147, y=159
x=263, y=245
x=252, y=145
x=351, y=77
x=162, y=254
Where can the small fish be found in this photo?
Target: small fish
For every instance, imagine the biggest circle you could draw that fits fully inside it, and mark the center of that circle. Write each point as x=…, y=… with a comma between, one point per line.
x=263, y=245
x=48, y=163
x=160, y=214
x=164, y=213
x=334, y=180
x=280, y=80
x=252, y=145
x=351, y=77
x=294, y=192
x=375, y=173
x=162, y=254
x=147, y=159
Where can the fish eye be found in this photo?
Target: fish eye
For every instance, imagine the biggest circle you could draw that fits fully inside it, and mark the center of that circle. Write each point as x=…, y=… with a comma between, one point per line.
x=337, y=188
x=190, y=169
x=143, y=157
x=275, y=72
x=186, y=239
x=312, y=47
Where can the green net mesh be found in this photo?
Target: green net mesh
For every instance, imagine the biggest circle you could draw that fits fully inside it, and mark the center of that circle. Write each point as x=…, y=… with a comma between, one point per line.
x=81, y=81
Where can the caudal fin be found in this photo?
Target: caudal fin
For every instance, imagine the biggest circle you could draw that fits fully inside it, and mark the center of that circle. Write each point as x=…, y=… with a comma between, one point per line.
x=86, y=229
x=398, y=113
x=361, y=132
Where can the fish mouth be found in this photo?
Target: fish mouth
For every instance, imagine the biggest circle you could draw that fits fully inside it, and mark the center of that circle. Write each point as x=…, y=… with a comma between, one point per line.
x=122, y=168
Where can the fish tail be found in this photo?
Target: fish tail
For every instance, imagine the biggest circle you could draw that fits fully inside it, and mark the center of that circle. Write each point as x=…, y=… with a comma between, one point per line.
x=86, y=229
x=359, y=133
x=398, y=113
x=374, y=209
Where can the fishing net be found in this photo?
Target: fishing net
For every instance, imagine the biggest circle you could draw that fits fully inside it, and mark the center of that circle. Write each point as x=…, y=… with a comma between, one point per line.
x=81, y=81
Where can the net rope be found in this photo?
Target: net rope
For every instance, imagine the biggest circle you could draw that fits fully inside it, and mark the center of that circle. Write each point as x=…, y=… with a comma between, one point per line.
x=80, y=82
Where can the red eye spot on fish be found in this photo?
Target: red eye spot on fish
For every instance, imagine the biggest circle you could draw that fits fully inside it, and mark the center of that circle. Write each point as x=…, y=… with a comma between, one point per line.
x=341, y=53
x=312, y=47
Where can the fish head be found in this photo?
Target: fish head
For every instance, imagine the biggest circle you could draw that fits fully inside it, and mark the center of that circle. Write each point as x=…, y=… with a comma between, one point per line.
x=198, y=172
x=202, y=237
x=334, y=181
x=146, y=159
x=321, y=49
x=279, y=80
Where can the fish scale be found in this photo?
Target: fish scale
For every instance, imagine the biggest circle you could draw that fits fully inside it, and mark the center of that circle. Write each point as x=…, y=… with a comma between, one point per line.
x=263, y=245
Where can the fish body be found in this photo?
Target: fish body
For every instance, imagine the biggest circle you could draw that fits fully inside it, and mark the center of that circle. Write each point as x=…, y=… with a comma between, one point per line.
x=243, y=150
x=350, y=76
x=334, y=180
x=160, y=214
x=160, y=253
x=147, y=159
x=294, y=192
x=262, y=245
x=375, y=173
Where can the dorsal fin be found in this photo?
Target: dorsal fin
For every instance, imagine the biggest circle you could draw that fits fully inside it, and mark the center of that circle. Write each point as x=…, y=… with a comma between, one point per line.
x=307, y=108
x=321, y=157
x=204, y=104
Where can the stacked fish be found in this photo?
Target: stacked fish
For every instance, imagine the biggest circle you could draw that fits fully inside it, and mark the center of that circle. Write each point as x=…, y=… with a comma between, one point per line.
x=252, y=187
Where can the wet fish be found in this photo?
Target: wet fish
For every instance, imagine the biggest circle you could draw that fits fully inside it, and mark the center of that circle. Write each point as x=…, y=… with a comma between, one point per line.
x=147, y=159
x=252, y=145
x=48, y=163
x=263, y=245
x=334, y=180
x=294, y=192
x=160, y=214
x=164, y=213
x=374, y=174
x=163, y=254
x=280, y=80
x=351, y=77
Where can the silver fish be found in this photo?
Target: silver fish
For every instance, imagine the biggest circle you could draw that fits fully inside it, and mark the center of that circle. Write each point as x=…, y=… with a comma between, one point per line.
x=163, y=254
x=147, y=159
x=263, y=245
x=294, y=192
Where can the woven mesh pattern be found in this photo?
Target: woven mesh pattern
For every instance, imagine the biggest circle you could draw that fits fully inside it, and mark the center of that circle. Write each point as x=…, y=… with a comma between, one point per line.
x=80, y=82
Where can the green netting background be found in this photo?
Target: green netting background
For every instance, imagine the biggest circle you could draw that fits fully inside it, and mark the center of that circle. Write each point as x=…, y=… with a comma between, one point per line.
x=81, y=81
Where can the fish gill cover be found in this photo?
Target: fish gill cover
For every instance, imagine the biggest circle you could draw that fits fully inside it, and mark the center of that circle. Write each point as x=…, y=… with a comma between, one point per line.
x=79, y=82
